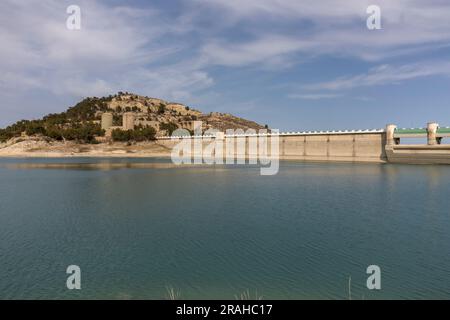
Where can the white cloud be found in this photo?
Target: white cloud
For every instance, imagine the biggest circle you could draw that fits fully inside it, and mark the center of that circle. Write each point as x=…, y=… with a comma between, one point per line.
x=385, y=75
x=256, y=51
x=313, y=96
x=275, y=28
x=117, y=48
x=174, y=82
x=117, y=45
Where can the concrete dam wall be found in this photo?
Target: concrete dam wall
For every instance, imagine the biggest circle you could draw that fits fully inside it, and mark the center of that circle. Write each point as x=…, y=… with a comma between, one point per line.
x=347, y=146
x=359, y=147
x=381, y=145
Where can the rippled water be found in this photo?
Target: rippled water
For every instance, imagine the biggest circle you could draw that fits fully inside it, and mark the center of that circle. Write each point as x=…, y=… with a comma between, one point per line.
x=136, y=227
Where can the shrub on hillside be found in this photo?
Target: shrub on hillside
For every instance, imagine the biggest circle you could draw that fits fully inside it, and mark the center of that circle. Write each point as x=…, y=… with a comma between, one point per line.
x=161, y=108
x=169, y=127
x=138, y=134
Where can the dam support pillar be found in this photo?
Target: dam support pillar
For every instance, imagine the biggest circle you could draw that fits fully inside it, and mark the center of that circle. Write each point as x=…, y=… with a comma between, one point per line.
x=431, y=133
x=128, y=121
x=107, y=120
x=390, y=129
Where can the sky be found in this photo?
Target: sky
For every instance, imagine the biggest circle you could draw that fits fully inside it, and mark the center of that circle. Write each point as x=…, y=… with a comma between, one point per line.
x=291, y=64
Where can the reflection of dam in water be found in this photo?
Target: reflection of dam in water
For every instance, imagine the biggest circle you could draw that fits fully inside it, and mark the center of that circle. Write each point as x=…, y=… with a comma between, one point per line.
x=382, y=145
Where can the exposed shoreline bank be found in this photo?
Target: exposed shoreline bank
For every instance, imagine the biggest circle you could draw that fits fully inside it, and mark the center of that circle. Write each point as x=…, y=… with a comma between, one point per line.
x=40, y=148
x=56, y=155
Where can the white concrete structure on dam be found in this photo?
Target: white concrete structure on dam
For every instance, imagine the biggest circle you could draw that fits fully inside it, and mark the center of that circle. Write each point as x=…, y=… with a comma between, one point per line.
x=434, y=152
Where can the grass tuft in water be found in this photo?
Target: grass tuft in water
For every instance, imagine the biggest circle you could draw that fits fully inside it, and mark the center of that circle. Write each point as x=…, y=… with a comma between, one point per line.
x=172, y=293
x=247, y=296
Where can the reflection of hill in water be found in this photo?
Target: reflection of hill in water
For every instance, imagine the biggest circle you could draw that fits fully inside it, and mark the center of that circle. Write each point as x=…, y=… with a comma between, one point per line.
x=92, y=166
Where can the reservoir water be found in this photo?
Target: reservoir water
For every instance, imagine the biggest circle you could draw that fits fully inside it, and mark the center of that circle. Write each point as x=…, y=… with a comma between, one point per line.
x=139, y=228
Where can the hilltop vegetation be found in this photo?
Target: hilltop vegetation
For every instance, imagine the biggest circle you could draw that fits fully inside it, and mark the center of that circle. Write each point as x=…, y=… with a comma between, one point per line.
x=82, y=122
x=77, y=123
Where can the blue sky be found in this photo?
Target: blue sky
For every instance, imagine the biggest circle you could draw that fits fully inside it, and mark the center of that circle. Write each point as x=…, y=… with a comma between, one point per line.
x=292, y=64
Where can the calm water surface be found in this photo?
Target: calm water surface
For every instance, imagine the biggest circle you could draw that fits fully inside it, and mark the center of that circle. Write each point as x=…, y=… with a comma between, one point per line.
x=136, y=227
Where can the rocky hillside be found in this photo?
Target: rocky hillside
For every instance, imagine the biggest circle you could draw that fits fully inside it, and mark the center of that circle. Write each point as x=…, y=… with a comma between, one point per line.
x=82, y=121
x=157, y=113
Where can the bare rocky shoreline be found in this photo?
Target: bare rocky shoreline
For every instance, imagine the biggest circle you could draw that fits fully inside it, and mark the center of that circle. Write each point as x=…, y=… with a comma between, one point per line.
x=44, y=148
